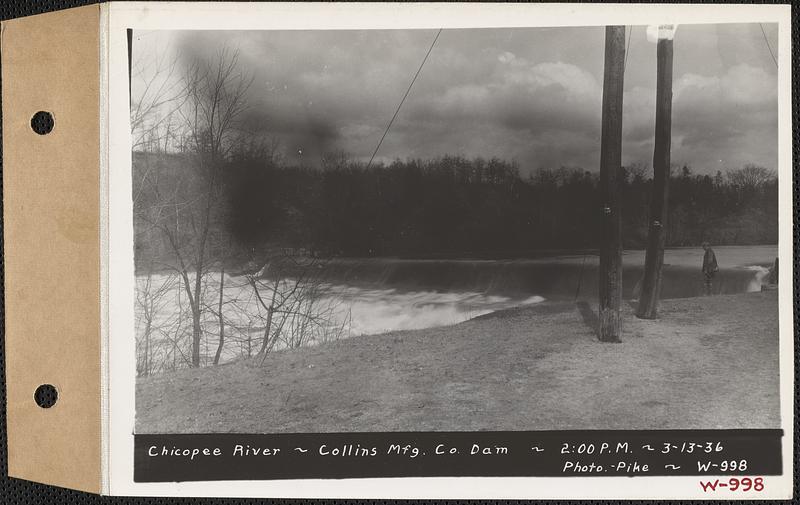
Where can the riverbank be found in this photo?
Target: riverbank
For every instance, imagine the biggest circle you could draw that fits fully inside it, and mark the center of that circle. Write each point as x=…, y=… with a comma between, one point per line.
x=706, y=363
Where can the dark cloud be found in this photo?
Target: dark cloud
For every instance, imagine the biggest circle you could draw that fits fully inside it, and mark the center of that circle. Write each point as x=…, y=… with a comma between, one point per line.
x=529, y=94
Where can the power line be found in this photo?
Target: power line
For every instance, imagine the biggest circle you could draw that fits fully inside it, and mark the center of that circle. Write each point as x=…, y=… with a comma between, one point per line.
x=627, y=50
x=404, y=97
x=769, y=48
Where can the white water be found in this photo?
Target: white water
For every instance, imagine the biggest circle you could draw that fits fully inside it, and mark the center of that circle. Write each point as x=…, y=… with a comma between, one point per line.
x=381, y=310
x=349, y=310
x=758, y=279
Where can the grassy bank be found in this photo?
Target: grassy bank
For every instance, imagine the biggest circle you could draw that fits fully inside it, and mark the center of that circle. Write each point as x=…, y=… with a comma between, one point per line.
x=706, y=363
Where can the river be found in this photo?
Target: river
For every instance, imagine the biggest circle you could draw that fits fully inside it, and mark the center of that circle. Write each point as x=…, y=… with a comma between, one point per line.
x=370, y=296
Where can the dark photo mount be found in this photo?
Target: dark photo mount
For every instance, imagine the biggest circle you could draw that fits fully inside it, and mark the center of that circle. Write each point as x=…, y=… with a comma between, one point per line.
x=168, y=449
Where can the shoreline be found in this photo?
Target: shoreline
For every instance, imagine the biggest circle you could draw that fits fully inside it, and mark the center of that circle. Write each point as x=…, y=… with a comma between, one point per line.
x=707, y=363
x=533, y=256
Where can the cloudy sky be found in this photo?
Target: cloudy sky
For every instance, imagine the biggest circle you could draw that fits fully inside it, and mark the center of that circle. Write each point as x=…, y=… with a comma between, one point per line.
x=529, y=94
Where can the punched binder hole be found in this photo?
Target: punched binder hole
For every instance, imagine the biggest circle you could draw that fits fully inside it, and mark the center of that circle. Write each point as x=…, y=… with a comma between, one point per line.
x=45, y=396
x=42, y=122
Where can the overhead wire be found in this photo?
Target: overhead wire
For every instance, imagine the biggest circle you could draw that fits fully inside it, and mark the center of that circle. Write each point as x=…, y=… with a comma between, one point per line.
x=404, y=97
x=769, y=48
x=627, y=50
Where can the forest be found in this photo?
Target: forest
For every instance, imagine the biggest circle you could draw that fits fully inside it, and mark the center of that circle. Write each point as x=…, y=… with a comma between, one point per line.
x=451, y=207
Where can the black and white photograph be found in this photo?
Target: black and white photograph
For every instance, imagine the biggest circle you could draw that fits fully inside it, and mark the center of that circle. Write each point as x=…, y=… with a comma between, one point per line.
x=456, y=229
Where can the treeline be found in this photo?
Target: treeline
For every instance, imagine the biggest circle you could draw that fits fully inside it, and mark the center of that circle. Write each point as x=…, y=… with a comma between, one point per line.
x=452, y=206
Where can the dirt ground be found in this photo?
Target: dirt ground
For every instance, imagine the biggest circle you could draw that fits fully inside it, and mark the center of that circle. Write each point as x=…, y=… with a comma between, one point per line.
x=706, y=363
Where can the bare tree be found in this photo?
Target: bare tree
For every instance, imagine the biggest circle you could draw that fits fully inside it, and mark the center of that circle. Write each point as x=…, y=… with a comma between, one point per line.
x=637, y=172
x=160, y=93
x=180, y=211
x=185, y=206
x=218, y=306
x=220, y=316
x=297, y=312
x=750, y=177
x=152, y=320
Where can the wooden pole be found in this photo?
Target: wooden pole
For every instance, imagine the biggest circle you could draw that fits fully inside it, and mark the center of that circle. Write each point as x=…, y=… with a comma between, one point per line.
x=657, y=234
x=610, y=165
x=129, y=32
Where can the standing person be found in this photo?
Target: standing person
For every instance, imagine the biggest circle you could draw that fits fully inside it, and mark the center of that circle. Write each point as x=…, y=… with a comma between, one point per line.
x=709, y=267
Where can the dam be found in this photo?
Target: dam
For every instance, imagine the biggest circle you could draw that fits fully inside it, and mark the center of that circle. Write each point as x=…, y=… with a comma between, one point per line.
x=559, y=278
x=376, y=295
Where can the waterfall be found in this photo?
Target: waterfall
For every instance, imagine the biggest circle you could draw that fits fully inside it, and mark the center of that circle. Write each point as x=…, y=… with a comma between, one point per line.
x=758, y=278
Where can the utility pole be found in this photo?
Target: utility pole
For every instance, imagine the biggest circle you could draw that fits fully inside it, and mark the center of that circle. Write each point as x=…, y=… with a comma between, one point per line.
x=610, y=279
x=129, y=32
x=657, y=233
